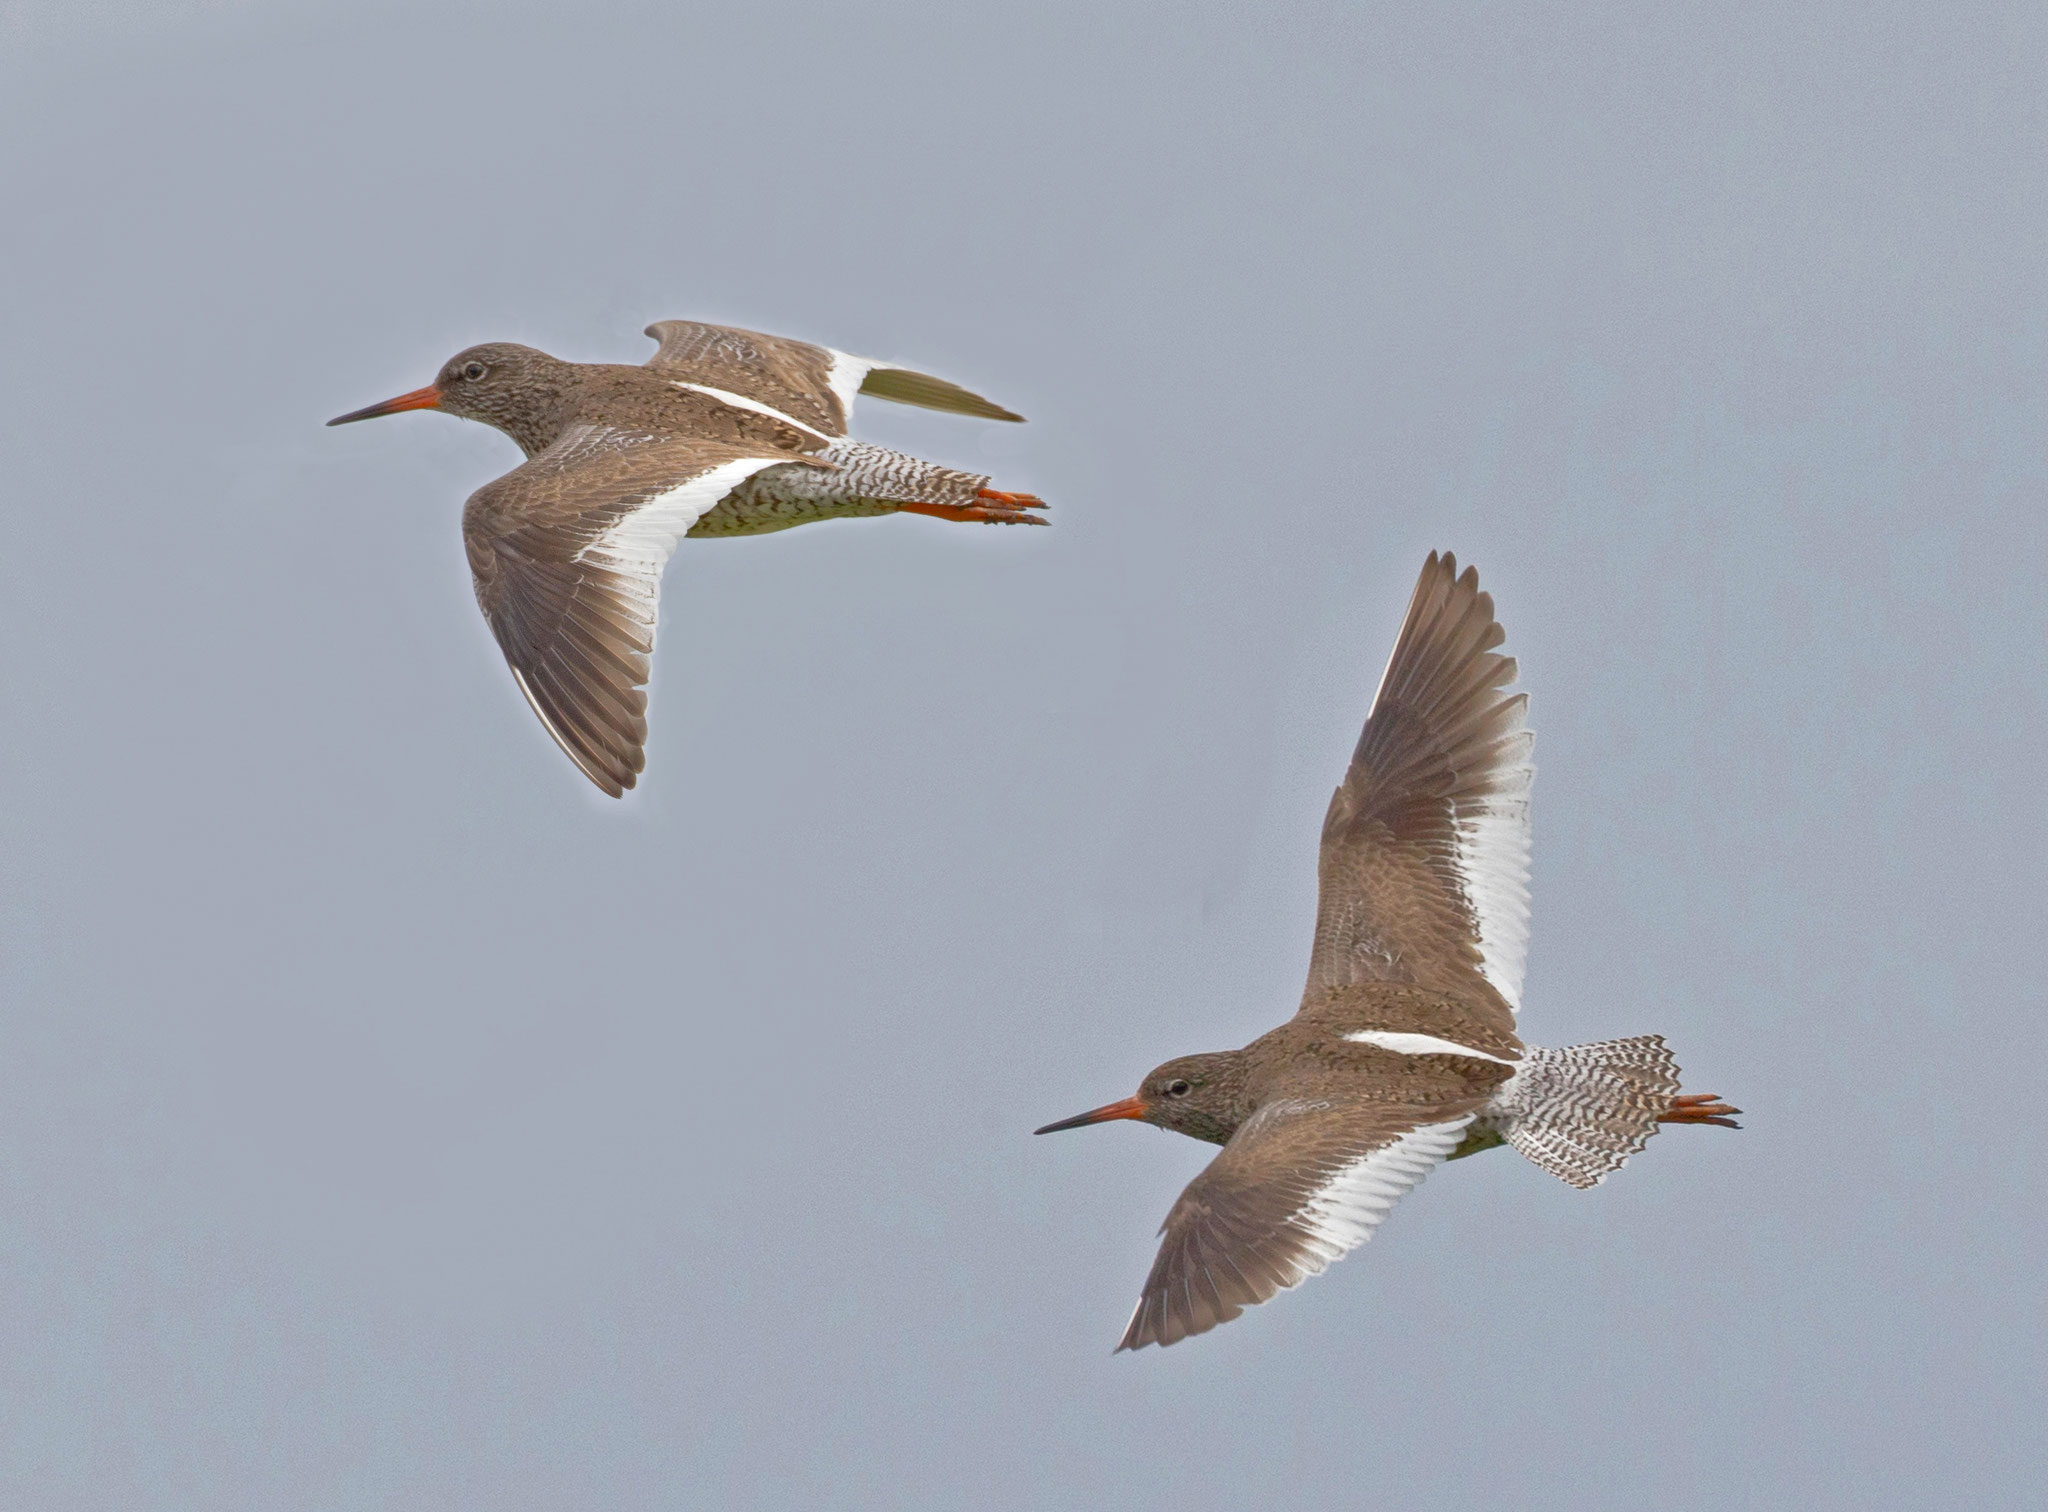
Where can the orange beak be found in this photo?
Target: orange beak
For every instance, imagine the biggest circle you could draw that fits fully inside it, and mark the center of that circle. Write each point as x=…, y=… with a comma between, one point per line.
x=1130, y=1107
x=426, y=398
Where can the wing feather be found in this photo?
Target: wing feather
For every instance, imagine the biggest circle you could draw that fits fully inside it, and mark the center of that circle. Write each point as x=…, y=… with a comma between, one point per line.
x=903, y=386
x=568, y=552
x=797, y=380
x=1425, y=852
x=1299, y=1186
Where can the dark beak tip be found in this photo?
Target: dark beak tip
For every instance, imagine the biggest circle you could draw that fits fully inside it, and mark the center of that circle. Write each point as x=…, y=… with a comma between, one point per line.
x=424, y=398
x=1130, y=1107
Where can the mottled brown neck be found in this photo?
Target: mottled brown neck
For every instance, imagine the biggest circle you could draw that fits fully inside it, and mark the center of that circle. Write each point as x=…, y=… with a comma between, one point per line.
x=1220, y=1095
x=528, y=395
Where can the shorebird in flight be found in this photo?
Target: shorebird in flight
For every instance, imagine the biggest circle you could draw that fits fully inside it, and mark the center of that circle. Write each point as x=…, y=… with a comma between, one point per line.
x=1404, y=1052
x=723, y=432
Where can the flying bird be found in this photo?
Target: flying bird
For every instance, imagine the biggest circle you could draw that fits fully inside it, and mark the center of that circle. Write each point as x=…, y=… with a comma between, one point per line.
x=1404, y=1052
x=723, y=432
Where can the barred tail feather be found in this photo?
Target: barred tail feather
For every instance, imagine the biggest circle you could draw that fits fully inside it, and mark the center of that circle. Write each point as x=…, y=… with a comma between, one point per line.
x=863, y=480
x=1581, y=1111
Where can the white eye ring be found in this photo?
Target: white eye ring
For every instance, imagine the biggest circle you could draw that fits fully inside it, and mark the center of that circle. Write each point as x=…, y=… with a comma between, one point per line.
x=1178, y=1088
x=473, y=371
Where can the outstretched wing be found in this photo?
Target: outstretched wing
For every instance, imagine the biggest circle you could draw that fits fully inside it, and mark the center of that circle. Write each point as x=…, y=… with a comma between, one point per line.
x=1425, y=854
x=1300, y=1185
x=568, y=552
x=811, y=385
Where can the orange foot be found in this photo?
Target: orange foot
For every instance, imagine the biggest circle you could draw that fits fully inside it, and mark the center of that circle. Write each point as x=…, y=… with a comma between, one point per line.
x=1702, y=1108
x=998, y=509
x=1010, y=500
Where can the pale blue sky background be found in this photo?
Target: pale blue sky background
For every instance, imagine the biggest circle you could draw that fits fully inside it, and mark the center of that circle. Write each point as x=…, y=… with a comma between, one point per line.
x=388, y=1120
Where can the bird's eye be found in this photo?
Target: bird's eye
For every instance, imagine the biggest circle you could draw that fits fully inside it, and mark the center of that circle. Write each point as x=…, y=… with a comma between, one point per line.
x=473, y=371
x=1178, y=1088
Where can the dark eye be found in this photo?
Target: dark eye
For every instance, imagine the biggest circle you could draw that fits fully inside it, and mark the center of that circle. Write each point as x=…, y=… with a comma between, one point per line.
x=1178, y=1088
x=473, y=371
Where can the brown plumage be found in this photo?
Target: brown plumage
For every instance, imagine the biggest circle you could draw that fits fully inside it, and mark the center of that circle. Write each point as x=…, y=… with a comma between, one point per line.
x=722, y=432
x=1404, y=1052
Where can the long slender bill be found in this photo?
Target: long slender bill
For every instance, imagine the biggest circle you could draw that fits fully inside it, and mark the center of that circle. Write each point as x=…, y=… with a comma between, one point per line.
x=1130, y=1107
x=426, y=398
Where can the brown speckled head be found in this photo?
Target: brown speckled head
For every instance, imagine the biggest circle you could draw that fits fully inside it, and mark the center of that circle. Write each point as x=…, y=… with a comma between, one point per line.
x=1202, y=1096
x=516, y=388
x=523, y=392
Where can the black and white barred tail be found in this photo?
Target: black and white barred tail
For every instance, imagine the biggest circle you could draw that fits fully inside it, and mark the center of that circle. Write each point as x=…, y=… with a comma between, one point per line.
x=1581, y=1111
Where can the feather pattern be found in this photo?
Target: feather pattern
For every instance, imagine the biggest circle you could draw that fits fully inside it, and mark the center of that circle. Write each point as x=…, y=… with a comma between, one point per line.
x=1425, y=853
x=1302, y=1183
x=812, y=385
x=568, y=553
x=1581, y=1111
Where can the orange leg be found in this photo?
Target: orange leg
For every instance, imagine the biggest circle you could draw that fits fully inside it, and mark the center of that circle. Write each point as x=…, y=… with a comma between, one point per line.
x=1000, y=509
x=1700, y=1108
x=1010, y=500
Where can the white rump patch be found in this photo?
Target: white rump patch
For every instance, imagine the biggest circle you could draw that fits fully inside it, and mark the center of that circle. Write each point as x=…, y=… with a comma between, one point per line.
x=742, y=402
x=1403, y=1043
x=1344, y=1211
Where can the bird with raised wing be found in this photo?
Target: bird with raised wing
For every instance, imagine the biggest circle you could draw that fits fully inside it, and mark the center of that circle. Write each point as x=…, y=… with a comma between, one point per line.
x=722, y=432
x=1404, y=1052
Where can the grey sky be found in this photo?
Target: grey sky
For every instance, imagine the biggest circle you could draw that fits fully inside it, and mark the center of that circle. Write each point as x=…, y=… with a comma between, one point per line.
x=388, y=1120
